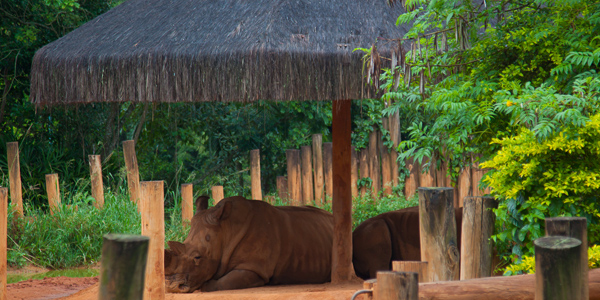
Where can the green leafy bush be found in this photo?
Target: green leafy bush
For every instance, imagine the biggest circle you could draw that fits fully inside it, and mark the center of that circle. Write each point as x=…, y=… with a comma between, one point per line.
x=527, y=264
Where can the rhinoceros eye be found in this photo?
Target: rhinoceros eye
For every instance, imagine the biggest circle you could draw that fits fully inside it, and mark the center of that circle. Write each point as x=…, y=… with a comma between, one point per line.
x=197, y=259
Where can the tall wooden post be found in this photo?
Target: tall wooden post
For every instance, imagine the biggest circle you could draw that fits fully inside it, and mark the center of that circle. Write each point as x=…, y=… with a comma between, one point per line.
x=122, y=273
x=419, y=267
x=96, y=180
x=282, y=188
x=386, y=167
x=476, y=245
x=317, y=153
x=255, y=174
x=354, y=172
x=397, y=285
x=133, y=174
x=411, y=183
x=437, y=223
x=307, y=176
x=427, y=175
x=187, y=203
x=3, y=240
x=153, y=225
x=294, y=176
x=328, y=169
x=374, y=169
x=575, y=227
x=53, y=191
x=14, y=176
x=558, y=268
x=341, y=262
x=396, y=138
x=217, y=193
x=363, y=163
x=464, y=185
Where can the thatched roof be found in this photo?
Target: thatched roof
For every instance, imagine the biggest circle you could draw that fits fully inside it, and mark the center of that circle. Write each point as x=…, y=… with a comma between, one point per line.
x=215, y=50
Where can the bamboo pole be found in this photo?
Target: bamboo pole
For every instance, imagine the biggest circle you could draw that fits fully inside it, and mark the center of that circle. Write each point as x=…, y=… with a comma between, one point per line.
x=476, y=245
x=14, y=176
x=217, y=193
x=96, y=180
x=437, y=223
x=255, y=174
x=307, y=176
x=153, y=225
x=397, y=285
x=363, y=162
x=374, y=169
x=133, y=174
x=419, y=267
x=187, y=203
x=53, y=192
x=354, y=172
x=3, y=240
x=282, y=188
x=123, y=268
x=328, y=170
x=294, y=176
x=558, y=268
x=317, y=152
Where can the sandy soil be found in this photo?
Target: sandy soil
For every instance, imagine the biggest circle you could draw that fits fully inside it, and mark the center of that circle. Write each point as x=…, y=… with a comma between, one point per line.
x=48, y=288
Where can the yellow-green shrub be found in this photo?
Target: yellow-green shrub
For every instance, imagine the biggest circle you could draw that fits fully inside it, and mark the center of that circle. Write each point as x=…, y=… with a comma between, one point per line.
x=527, y=263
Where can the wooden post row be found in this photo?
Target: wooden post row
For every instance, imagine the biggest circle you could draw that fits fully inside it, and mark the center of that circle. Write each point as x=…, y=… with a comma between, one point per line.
x=187, y=203
x=53, y=192
x=294, y=176
x=363, y=162
x=397, y=285
x=374, y=169
x=307, y=176
x=255, y=174
x=14, y=176
x=476, y=246
x=123, y=268
x=437, y=227
x=217, y=193
x=133, y=174
x=558, y=268
x=328, y=169
x=282, y=188
x=3, y=240
x=153, y=226
x=96, y=180
x=317, y=153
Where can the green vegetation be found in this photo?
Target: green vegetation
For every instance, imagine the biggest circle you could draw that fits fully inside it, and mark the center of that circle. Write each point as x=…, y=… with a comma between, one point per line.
x=527, y=263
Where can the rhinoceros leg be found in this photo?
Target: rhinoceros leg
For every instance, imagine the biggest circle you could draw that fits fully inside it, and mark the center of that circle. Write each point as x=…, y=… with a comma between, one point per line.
x=236, y=279
x=372, y=249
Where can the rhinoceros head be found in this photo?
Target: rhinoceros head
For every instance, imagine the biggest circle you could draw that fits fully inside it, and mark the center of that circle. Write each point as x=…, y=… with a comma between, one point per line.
x=190, y=264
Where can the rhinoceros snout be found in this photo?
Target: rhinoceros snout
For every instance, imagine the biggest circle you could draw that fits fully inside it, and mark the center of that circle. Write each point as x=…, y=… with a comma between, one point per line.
x=176, y=284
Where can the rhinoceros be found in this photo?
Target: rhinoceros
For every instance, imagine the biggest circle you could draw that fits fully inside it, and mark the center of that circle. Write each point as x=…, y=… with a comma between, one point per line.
x=242, y=243
x=390, y=236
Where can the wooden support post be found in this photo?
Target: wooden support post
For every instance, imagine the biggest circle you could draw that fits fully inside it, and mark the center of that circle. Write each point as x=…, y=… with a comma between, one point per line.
x=396, y=138
x=558, y=268
x=217, y=193
x=294, y=176
x=3, y=240
x=341, y=260
x=133, y=174
x=419, y=267
x=575, y=227
x=437, y=223
x=370, y=284
x=123, y=268
x=328, y=169
x=465, y=188
x=397, y=285
x=317, y=153
x=53, y=191
x=386, y=167
x=282, y=188
x=374, y=169
x=96, y=180
x=307, y=176
x=153, y=226
x=363, y=162
x=476, y=246
x=411, y=183
x=427, y=175
x=187, y=203
x=255, y=174
x=354, y=172
x=14, y=176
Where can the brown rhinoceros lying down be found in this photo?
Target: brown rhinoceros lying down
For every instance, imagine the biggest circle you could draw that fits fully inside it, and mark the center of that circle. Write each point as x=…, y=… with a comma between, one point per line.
x=390, y=236
x=243, y=243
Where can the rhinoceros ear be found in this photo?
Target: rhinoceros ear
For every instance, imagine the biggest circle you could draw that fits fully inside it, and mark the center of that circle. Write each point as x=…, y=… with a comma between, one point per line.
x=176, y=247
x=220, y=212
x=201, y=203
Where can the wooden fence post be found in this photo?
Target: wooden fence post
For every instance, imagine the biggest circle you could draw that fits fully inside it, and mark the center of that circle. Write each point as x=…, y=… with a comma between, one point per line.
x=374, y=169
x=153, y=225
x=363, y=163
x=419, y=267
x=427, y=174
x=294, y=176
x=464, y=185
x=370, y=284
x=476, y=245
x=386, y=166
x=96, y=180
x=558, y=268
x=307, y=176
x=217, y=193
x=437, y=223
x=317, y=153
x=328, y=169
x=255, y=174
x=187, y=203
x=411, y=183
x=354, y=172
x=396, y=138
x=575, y=227
x=3, y=240
x=123, y=268
x=397, y=286
x=14, y=176
x=133, y=174
x=282, y=188
x=53, y=191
